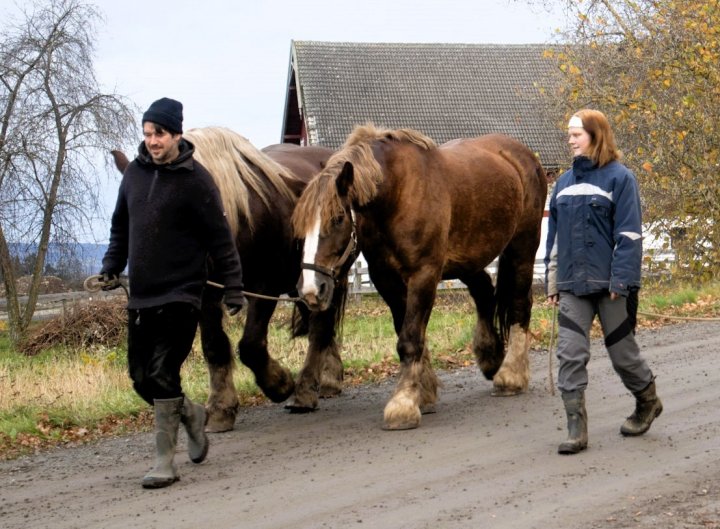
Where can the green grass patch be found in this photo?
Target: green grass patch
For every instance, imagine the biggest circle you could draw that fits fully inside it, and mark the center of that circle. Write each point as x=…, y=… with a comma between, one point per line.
x=61, y=395
x=671, y=299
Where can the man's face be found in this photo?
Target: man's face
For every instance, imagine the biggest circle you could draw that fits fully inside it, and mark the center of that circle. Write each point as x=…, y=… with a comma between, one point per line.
x=162, y=146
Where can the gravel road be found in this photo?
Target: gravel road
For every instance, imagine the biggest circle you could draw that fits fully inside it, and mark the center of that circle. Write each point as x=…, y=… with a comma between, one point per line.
x=479, y=462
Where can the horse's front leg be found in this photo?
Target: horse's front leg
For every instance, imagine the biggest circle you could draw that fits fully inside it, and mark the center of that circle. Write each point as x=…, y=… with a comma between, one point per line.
x=222, y=404
x=417, y=386
x=322, y=373
x=275, y=381
x=324, y=334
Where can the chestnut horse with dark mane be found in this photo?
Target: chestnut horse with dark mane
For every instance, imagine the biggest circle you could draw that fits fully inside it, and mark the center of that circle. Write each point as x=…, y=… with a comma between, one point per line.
x=420, y=213
x=259, y=190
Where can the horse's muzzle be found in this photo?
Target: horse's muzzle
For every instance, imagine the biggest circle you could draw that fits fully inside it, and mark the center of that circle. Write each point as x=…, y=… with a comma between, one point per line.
x=318, y=295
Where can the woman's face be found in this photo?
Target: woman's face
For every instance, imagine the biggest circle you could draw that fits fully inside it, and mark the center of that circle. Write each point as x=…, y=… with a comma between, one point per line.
x=579, y=141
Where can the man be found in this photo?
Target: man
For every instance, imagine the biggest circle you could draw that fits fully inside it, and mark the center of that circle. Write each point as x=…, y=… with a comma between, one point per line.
x=167, y=221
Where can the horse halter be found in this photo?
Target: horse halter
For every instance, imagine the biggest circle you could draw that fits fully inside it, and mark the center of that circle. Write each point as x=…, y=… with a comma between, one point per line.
x=350, y=251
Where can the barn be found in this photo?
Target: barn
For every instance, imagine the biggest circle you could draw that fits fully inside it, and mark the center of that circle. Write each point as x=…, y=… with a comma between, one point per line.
x=446, y=91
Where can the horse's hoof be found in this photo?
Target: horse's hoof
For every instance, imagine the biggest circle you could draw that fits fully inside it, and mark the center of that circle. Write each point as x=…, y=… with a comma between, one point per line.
x=406, y=425
x=328, y=392
x=505, y=392
x=401, y=413
x=279, y=394
x=292, y=408
x=296, y=406
x=215, y=425
x=402, y=421
x=428, y=409
x=220, y=419
x=277, y=385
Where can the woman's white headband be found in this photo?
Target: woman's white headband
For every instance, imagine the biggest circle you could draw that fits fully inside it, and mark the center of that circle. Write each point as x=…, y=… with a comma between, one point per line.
x=575, y=121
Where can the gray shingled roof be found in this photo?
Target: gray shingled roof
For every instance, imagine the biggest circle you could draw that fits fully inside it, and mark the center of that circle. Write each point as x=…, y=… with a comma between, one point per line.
x=446, y=91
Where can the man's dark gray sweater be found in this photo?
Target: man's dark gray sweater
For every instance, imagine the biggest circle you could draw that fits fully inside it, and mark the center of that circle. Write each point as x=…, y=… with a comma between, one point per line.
x=168, y=220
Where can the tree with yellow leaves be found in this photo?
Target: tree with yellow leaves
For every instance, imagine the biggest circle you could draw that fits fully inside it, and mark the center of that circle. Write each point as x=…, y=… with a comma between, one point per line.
x=653, y=67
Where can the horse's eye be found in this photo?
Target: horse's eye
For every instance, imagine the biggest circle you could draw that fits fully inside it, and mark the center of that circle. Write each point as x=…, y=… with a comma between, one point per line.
x=337, y=221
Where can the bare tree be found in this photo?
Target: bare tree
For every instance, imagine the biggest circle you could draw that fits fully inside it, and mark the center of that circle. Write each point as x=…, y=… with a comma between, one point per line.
x=54, y=122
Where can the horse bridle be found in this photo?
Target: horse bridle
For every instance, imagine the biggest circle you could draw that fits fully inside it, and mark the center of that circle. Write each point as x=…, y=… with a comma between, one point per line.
x=350, y=251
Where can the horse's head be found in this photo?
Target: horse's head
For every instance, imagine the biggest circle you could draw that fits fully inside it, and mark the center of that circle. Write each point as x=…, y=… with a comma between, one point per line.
x=324, y=218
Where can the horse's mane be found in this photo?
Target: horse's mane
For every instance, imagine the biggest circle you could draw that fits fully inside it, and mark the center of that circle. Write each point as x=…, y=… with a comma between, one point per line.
x=369, y=133
x=230, y=158
x=367, y=174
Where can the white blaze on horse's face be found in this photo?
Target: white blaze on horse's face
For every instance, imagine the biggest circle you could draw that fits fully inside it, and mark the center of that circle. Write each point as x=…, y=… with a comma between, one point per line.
x=312, y=240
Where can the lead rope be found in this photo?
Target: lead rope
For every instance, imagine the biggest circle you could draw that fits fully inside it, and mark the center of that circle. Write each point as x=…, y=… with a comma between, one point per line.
x=95, y=284
x=682, y=318
x=259, y=296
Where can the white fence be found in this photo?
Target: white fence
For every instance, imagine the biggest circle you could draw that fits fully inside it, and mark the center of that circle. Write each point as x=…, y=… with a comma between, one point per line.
x=360, y=283
x=654, y=264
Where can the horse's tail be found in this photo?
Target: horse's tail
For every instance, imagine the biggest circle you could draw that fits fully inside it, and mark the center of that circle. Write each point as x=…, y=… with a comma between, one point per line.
x=505, y=281
x=510, y=309
x=504, y=289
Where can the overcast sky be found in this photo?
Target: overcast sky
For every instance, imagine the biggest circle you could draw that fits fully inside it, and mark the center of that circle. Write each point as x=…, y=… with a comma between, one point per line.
x=227, y=60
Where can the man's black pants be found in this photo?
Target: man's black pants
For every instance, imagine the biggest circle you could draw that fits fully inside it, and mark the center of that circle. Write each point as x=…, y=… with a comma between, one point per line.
x=159, y=341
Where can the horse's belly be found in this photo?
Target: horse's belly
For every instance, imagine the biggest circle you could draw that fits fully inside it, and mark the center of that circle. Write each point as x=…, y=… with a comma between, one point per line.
x=476, y=250
x=457, y=267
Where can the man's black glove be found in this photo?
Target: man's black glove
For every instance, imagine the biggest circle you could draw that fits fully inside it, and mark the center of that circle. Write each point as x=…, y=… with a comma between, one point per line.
x=235, y=302
x=109, y=281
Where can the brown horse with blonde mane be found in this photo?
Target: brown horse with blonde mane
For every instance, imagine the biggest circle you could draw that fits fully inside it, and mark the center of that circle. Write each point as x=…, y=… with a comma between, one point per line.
x=259, y=190
x=420, y=214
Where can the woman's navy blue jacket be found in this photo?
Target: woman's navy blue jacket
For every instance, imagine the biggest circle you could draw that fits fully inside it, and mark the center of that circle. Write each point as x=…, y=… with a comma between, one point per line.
x=594, y=241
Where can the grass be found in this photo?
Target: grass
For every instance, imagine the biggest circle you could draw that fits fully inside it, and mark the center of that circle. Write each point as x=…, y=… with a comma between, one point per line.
x=70, y=396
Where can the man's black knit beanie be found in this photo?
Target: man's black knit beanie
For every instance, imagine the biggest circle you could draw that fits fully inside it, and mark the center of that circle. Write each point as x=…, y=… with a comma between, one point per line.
x=167, y=113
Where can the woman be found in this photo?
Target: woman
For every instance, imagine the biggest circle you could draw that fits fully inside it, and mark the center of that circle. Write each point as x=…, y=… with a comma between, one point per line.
x=594, y=252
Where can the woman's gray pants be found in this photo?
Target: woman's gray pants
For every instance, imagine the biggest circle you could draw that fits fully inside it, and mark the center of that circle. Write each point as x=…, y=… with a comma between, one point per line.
x=575, y=320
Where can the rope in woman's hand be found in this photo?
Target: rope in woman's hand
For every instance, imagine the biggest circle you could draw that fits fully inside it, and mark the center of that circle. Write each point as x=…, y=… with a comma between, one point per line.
x=682, y=318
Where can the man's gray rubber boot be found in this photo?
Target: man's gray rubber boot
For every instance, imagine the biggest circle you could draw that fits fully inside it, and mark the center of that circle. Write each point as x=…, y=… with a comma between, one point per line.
x=647, y=408
x=194, y=418
x=167, y=421
x=576, y=422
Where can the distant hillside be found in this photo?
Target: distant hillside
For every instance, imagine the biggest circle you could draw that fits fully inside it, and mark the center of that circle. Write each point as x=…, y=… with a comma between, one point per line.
x=88, y=256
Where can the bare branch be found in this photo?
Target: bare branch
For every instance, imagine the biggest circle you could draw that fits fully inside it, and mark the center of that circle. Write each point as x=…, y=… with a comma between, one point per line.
x=53, y=120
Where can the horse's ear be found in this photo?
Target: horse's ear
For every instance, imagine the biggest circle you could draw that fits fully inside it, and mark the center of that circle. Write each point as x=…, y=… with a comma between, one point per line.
x=344, y=180
x=121, y=161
